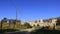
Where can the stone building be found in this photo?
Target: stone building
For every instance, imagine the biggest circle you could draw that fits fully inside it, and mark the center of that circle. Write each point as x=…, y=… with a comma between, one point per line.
x=44, y=23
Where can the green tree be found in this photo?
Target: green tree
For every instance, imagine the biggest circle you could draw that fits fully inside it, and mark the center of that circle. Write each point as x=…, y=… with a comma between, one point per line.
x=58, y=22
x=14, y=22
x=4, y=20
x=27, y=25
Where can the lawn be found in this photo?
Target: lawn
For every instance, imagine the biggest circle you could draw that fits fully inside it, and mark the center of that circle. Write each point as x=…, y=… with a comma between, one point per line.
x=45, y=31
x=7, y=30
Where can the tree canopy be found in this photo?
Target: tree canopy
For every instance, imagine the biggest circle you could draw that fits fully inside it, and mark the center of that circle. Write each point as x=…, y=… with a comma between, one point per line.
x=27, y=25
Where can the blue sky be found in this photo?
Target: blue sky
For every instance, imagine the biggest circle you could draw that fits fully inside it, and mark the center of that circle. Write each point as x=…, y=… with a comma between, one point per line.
x=29, y=9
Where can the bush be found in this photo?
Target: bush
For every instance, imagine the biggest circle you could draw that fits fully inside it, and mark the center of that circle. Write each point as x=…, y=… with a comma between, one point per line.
x=27, y=25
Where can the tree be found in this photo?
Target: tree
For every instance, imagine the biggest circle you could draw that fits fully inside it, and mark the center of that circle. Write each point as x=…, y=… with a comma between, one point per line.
x=4, y=20
x=14, y=22
x=39, y=20
x=35, y=21
x=1, y=23
x=18, y=22
x=58, y=22
x=27, y=25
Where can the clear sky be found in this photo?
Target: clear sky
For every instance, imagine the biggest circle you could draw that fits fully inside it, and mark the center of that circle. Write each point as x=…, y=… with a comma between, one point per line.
x=29, y=9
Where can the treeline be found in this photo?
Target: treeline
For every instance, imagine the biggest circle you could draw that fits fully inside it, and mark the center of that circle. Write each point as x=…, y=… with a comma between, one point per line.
x=12, y=23
x=50, y=20
x=9, y=23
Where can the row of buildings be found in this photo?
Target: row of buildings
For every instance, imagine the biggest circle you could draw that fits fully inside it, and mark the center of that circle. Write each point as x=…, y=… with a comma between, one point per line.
x=11, y=23
x=43, y=23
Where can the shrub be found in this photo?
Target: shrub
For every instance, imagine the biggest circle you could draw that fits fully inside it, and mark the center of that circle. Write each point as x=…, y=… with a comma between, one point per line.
x=27, y=25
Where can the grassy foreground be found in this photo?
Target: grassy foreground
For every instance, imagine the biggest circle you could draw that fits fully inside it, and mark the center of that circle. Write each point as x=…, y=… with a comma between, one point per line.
x=7, y=30
x=45, y=31
x=36, y=31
